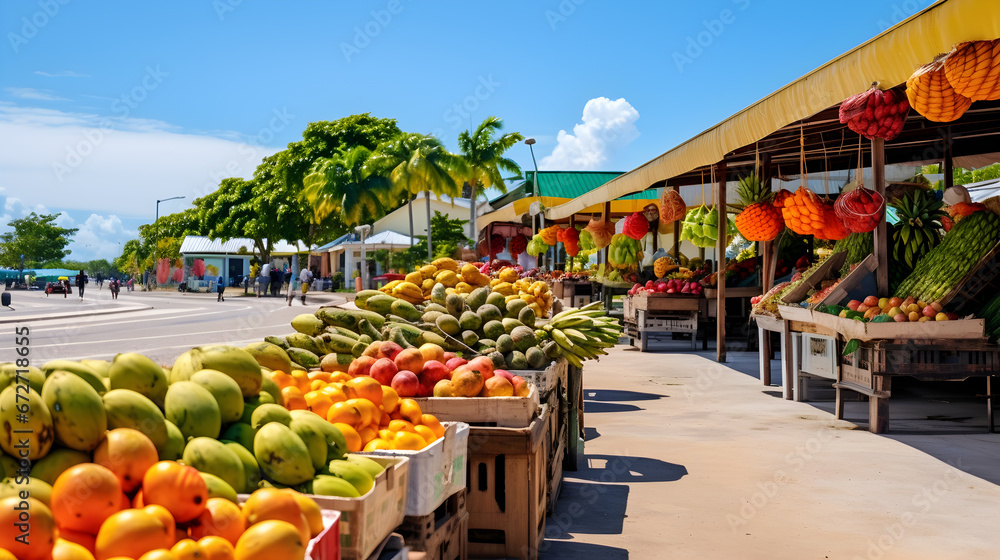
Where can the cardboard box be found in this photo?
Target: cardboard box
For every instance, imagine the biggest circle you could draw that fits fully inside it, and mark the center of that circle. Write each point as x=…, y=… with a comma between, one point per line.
x=483, y=411
x=436, y=471
x=326, y=545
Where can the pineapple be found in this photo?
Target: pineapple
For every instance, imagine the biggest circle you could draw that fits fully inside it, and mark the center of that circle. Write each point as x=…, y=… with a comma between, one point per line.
x=759, y=220
x=918, y=230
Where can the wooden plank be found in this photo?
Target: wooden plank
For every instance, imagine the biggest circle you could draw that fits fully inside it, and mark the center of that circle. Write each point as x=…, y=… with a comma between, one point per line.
x=811, y=328
x=764, y=347
x=663, y=302
x=881, y=249
x=832, y=264
x=878, y=406
x=787, y=360
x=720, y=265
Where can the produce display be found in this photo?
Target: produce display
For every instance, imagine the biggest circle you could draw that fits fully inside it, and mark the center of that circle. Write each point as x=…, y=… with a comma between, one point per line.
x=931, y=94
x=579, y=334
x=635, y=225
x=672, y=206
x=972, y=70
x=767, y=304
x=701, y=226
x=601, y=231
x=991, y=312
x=918, y=230
x=876, y=113
x=860, y=210
x=805, y=213
x=672, y=286
x=625, y=253
x=883, y=310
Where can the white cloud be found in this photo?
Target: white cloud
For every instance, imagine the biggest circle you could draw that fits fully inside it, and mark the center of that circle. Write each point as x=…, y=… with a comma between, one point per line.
x=114, y=165
x=33, y=94
x=62, y=74
x=98, y=237
x=606, y=126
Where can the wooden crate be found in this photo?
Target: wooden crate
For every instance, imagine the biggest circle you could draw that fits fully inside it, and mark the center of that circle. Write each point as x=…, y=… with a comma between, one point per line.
x=440, y=535
x=659, y=302
x=556, y=443
x=508, y=488
x=483, y=411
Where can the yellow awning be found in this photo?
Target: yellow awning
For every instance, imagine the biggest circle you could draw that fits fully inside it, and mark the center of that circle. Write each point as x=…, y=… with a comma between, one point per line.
x=513, y=211
x=889, y=58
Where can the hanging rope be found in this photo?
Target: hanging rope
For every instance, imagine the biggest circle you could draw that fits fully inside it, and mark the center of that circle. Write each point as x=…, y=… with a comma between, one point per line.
x=803, y=171
x=702, y=172
x=712, y=189
x=861, y=169
x=826, y=167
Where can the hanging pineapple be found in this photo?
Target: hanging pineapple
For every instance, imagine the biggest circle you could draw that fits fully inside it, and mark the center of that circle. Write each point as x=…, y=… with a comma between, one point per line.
x=758, y=220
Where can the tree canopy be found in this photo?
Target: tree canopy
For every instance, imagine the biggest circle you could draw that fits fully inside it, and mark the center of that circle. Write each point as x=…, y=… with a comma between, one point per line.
x=38, y=238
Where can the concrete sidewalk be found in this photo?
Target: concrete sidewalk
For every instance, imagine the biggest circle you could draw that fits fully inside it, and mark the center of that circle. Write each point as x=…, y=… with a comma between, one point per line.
x=687, y=458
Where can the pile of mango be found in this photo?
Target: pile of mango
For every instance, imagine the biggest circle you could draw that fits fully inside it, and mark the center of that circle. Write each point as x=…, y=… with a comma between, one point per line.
x=216, y=409
x=535, y=293
x=416, y=286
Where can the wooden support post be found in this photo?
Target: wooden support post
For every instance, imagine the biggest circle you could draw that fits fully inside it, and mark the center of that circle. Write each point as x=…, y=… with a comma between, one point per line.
x=787, y=360
x=881, y=248
x=720, y=265
x=489, y=243
x=878, y=406
x=677, y=232
x=949, y=175
x=767, y=248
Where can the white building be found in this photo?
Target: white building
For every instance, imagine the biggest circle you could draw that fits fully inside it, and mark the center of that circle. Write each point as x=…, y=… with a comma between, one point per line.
x=230, y=258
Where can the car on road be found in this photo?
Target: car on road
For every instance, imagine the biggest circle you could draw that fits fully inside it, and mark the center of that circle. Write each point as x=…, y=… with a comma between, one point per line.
x=62, y=286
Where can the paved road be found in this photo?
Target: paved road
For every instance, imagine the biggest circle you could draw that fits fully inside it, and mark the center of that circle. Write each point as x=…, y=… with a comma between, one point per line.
x=161, y=325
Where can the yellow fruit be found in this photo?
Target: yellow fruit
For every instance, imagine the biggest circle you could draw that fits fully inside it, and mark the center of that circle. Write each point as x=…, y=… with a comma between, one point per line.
x=187, y=549
x=216, y=548
x=271, y=540
x=409, y=441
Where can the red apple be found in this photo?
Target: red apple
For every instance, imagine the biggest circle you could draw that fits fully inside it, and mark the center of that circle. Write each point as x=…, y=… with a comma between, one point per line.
x=649, y=285
x=483, y=364
x=389, y=349
x=361, y=366
x=433, y=372
x=454, y=363
x=405, y=383
x=929, y=311
x=410, y=359
x=383, y=370
x=505, y=374
x=853, y=305
x=871, y=301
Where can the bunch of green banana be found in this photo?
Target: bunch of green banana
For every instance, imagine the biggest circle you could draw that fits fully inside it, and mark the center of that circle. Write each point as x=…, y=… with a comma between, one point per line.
x=579, y=334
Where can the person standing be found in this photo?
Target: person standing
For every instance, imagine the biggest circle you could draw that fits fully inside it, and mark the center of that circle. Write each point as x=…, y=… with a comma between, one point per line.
x=264, y=279
x=275, y=282
x=305, y=277
x=81, y=281
x=220, y=287
x=114, y=286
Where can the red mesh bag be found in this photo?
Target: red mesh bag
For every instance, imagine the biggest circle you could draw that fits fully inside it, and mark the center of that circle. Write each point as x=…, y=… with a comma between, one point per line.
x=570, y=238
x=876, y=113
x=497, y=243
x=517, y=245
x=602, y=231
x=860, y=210
x=636, y=226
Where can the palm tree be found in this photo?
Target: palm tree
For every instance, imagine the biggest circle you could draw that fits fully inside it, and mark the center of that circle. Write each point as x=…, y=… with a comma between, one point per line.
x=348, y=184
x=417, y=163
x=484, y=156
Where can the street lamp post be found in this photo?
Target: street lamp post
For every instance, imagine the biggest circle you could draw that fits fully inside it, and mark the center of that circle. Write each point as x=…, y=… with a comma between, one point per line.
x=156, y=231
x=534, y=191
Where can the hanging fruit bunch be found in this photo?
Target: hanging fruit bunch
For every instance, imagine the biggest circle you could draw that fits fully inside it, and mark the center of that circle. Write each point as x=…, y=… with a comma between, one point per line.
x=625, y=252
x=758, y=220
x=932, y=96
x=833, y=228
x=672, y=207
x=550, y=235
x=918, y=229
x=701, y=226
x=635, y=225
x=601, y=231
x=860, y=210
x=537, y=245
x=973, y=70
x=779, y=198
x=497, y=243
x=876, y=113
x=570, y=239
x=587, y=241
x=804, y=212
x=517, y=245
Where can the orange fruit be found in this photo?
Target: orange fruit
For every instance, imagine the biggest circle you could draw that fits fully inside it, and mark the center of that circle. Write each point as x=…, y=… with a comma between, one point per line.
x=69, y=550
x=410, y=410
x=387, y=435
x=426, y=433
x=164, y=516
x=274, y=504
x=128, y=453
x=158, y=554
x=335, y=391
x=401, y=426
x=384, y=421
x=370, y=412
x=283, y=379
x=187, y=549
x=293, y=398
x=301, y=379
x=323, y=376
x=131, y=533
x=377, y=444
x=271, y=540
x=353, y=438
x=84, y=496
x=344, y=413
x=366, y=388
x=216, y=548
x=409, y=441
x=318, y=402
x=177, y=487
x=340, y=377
x=137, y=500
x=311, y=511
x=390, y=400
x=221, y=518
x=316, y=385
x=367, y=434
x=432, y=422
x=42, y=528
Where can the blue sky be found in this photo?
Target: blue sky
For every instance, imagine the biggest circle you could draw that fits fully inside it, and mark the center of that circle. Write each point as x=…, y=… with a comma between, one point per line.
x=106, y=107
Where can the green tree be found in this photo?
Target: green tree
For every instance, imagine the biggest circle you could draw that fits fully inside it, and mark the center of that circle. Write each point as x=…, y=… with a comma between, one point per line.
x=347, y=185
x=37, y=238
x=448, y=235
x=133, y=257
x=484, y=156
x=419, y=163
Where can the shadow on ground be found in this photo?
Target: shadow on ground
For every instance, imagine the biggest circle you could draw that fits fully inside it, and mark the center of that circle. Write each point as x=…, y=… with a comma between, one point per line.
x=603, y=400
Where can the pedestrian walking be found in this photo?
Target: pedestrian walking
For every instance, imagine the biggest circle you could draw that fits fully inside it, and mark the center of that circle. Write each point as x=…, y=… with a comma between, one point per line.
x=131, y=281
x=275, y=282
x=220, y=287
x=305, y=277
x=100, y=280
x=81, y=281
x=65, y=284
x=115, y=287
